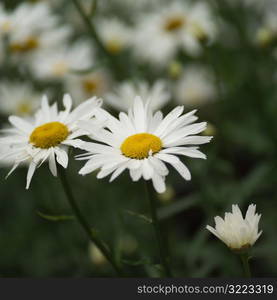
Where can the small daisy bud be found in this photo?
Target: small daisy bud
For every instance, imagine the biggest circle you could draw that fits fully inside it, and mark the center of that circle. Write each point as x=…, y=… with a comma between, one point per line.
x=236, y=232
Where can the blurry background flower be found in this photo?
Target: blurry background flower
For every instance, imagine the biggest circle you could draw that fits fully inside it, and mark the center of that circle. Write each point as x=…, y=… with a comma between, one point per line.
x=176, y=26
x=64, y=60
x=115, y=35
x=122, y=98
x=195, y=87
x=83, y=86
x=18, y=98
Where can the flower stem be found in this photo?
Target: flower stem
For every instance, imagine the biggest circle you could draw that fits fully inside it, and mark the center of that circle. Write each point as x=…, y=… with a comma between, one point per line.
x=116, y=67
x=245, y=264
x=156, y=224
x=83, y=222
x=90, y=27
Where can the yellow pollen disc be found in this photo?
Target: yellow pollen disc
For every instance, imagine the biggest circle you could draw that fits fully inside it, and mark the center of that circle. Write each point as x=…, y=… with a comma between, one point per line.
x=24, y=108
x=26, y=46
x=174, y=23
x=60, y=68
x=114, y=46
x=90, y=85
x=49, y=135
x=139, y=145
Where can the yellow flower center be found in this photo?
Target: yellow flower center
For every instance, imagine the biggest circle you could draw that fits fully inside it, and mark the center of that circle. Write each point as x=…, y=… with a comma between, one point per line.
x=60, y=68
x=6, y=26
x=26, y=46
x=198, y=32
x=139, y=145
x=114, y=46
x=24, y=108
x=174, y=23
x=49, y=135
x=90, y=85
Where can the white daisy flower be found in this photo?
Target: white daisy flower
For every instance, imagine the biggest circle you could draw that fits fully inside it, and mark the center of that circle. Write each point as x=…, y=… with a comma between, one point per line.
x=124, y=94
x=18, y=98
x=83, y=86
x=24, y=27
x=115, y=35
x=142, y=142
x=195, y=87
x=177, y=26
x=61, y=62
x=48, y=135
x=236, y=232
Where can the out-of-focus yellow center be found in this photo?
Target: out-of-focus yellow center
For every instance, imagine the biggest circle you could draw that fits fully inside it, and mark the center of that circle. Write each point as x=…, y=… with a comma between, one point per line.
x=90, y=85
x=198, y=32
x=49, y=135
x=60, y=68
x=24, y=108
x=174, y=23
x=26, y=46
x=139, y=145
x=6, y=26
x=114, y=46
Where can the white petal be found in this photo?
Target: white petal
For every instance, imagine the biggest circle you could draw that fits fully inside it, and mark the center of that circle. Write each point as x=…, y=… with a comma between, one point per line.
x=62, y=157
x=31, y=171
x=52, y=163
x=159, y=183
x=21, y=124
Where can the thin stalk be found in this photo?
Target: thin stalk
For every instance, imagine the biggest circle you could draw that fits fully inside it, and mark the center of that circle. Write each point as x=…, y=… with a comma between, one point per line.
x=117, y=68
x=156, y=224
x=245, y=264
x=84, y=224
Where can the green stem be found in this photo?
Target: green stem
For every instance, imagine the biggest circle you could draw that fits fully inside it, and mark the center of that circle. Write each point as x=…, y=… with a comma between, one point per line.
x=156, y=224
x=245, y=264
x=85, y=225
x=117, y=68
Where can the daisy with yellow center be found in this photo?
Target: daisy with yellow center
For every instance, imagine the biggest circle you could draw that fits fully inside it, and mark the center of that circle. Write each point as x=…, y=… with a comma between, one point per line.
x=18, y=98
x=142, y=142
x=161, y=34
x=122, y=97
x=48, y=135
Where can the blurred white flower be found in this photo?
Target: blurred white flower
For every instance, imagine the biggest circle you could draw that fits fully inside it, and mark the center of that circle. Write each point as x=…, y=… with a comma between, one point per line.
x=18, y=98
x=47, y=136
x=142, y=142
x=83, y=86
x=61, y=62
x=267, y=32
x=195, y=87
x=124, y=94
x=115, y=35
x=160, y=34
x=236, y=232
x=26, y=26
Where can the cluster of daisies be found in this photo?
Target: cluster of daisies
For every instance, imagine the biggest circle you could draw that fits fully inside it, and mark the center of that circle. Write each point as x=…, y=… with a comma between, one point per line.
x=52, y=53
x=141, y=141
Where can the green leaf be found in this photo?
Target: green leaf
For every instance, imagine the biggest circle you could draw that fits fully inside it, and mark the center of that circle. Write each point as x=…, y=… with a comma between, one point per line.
x=55, y=218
